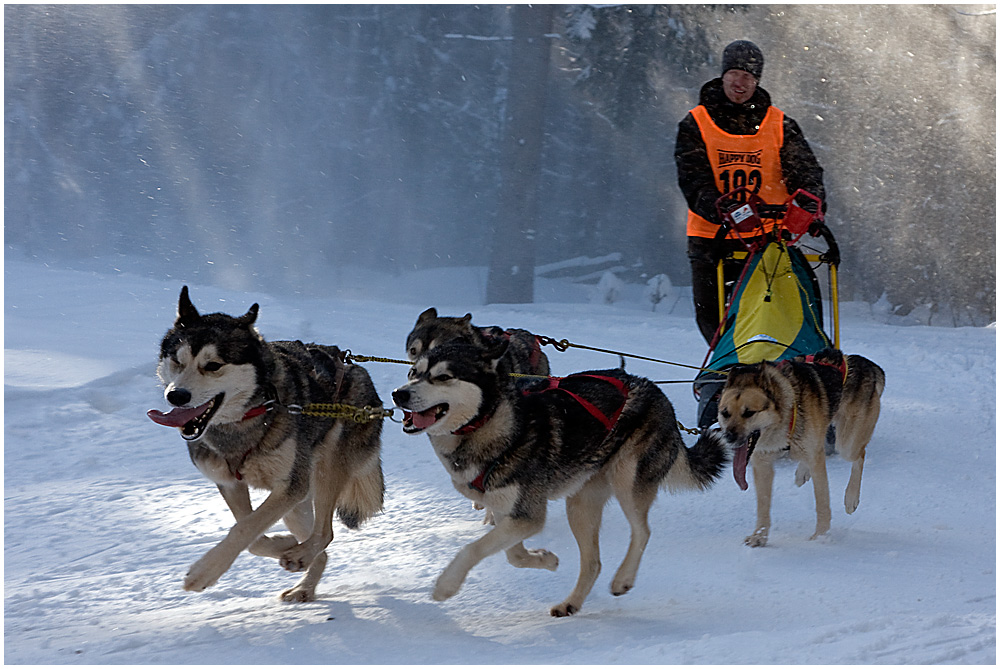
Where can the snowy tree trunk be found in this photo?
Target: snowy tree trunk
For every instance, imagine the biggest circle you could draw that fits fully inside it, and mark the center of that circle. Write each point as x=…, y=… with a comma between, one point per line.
x=512, y=251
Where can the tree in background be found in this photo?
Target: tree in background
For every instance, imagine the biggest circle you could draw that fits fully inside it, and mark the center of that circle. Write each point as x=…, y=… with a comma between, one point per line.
x=512, y=251
x=256, y=146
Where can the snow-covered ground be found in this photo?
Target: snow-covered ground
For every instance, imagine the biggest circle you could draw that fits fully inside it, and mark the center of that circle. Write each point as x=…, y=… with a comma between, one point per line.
x=103, y=511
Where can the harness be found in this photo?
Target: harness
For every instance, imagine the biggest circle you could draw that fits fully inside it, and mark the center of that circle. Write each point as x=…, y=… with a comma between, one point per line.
x=554, y=383
x=271, y=403
x=536, y=345
x=811, y=359
x=607, y=421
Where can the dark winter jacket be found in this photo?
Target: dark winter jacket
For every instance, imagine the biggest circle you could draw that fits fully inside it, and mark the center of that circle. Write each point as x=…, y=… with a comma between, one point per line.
x=694, y=173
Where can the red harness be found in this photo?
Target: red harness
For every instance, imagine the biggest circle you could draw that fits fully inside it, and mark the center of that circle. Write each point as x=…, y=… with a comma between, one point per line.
x=842, y=367
x=607, y=421
x=479, y=483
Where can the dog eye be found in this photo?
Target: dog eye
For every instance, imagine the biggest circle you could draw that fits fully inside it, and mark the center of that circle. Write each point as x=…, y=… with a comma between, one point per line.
x=212, y=366
x=748, y=412
x=441, y=378
x=414, y=351
x=725, y=413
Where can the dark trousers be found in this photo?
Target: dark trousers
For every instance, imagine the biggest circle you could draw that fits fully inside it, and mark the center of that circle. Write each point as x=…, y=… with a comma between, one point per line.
x=704, y=254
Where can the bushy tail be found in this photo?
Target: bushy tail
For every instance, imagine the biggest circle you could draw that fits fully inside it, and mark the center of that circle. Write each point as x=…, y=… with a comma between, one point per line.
x=363, y=496
x=701, y=465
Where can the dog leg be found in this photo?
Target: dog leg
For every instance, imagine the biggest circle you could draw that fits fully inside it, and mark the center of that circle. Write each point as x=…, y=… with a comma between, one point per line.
x=635, y=503
x=763, y=480
x=852, y=443
x=821, y=487
x=506, y=533
x=300, y=522
x=329, y=479
x=583, y=510
x=852, y=496
x=206, y=571
x=534, y=558
x=238, y=499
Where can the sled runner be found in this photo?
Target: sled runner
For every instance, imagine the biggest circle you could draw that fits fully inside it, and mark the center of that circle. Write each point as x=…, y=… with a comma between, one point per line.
x=775, y=309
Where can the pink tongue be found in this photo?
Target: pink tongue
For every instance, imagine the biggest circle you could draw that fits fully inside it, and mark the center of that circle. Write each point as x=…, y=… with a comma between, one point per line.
x=740, y=466
x=177, y=417
x=424, y=419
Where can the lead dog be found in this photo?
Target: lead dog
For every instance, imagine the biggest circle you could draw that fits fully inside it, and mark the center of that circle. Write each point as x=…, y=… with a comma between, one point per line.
x=231, y=392
x=768, y=408
x=586, y=437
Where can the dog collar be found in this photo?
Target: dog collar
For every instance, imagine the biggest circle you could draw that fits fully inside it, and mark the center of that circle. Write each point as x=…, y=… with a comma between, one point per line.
x=269, y=404
x=259, y=410
x=477, y=423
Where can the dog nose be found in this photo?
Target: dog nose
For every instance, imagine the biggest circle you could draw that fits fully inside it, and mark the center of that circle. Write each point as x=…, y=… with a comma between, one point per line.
x=179, y=397
x=400, y=396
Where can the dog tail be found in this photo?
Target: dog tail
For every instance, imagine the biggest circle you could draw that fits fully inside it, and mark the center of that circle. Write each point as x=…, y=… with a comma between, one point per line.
x=701, y=465
x=363, y=496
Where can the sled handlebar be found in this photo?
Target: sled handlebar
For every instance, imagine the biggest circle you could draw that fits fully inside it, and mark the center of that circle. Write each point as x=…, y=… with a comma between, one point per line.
x=744, y=212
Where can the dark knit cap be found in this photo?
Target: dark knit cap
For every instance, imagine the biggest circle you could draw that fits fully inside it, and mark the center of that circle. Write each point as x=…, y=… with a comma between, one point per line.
x=743, y=55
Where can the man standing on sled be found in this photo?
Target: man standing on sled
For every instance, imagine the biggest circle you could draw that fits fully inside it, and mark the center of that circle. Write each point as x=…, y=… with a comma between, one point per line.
x=735, y=138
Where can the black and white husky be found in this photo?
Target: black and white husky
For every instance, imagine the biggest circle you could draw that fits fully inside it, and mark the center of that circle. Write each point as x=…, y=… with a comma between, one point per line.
x=585, y=437
x=234, y=396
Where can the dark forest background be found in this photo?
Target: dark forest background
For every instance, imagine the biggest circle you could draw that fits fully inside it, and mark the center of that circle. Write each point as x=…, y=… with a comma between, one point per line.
x=261, y=144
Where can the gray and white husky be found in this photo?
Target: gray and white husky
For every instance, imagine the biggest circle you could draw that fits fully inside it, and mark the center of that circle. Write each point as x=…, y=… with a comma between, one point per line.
x=585, y=437
x=234, y=395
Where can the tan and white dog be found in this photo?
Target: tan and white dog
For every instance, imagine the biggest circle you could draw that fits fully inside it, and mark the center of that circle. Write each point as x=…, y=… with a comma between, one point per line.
x=770, y=408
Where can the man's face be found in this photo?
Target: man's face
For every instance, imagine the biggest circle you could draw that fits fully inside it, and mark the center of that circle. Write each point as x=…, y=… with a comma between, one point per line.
x=738, y=85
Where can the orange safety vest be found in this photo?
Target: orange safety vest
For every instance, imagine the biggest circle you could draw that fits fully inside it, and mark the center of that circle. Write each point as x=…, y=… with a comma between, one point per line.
x=753, y=161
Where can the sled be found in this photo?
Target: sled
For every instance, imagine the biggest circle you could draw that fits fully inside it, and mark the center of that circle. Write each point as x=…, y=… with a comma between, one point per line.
x=775, y=309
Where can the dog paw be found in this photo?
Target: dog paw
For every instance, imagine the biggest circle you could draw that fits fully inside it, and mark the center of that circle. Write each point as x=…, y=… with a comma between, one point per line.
x=204, y=574
x=447, y=586
x=820, y=532
x=534, y=558
x=802, y=474
x=297, y=558
x=563, y=610
x=619, y=590
x=851, y=503
x=273, y=547
x=758, y=538
x=298, y=595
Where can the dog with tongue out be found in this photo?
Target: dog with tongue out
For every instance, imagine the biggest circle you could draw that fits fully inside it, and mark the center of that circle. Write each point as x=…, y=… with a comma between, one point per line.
x=512, y=446
x=232, y=396
x=769, y=409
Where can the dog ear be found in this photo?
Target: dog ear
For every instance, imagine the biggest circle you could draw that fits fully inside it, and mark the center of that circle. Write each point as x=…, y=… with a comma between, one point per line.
x=429, y=314
x=465, y=323
x=250, y=317
x=186, y=313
